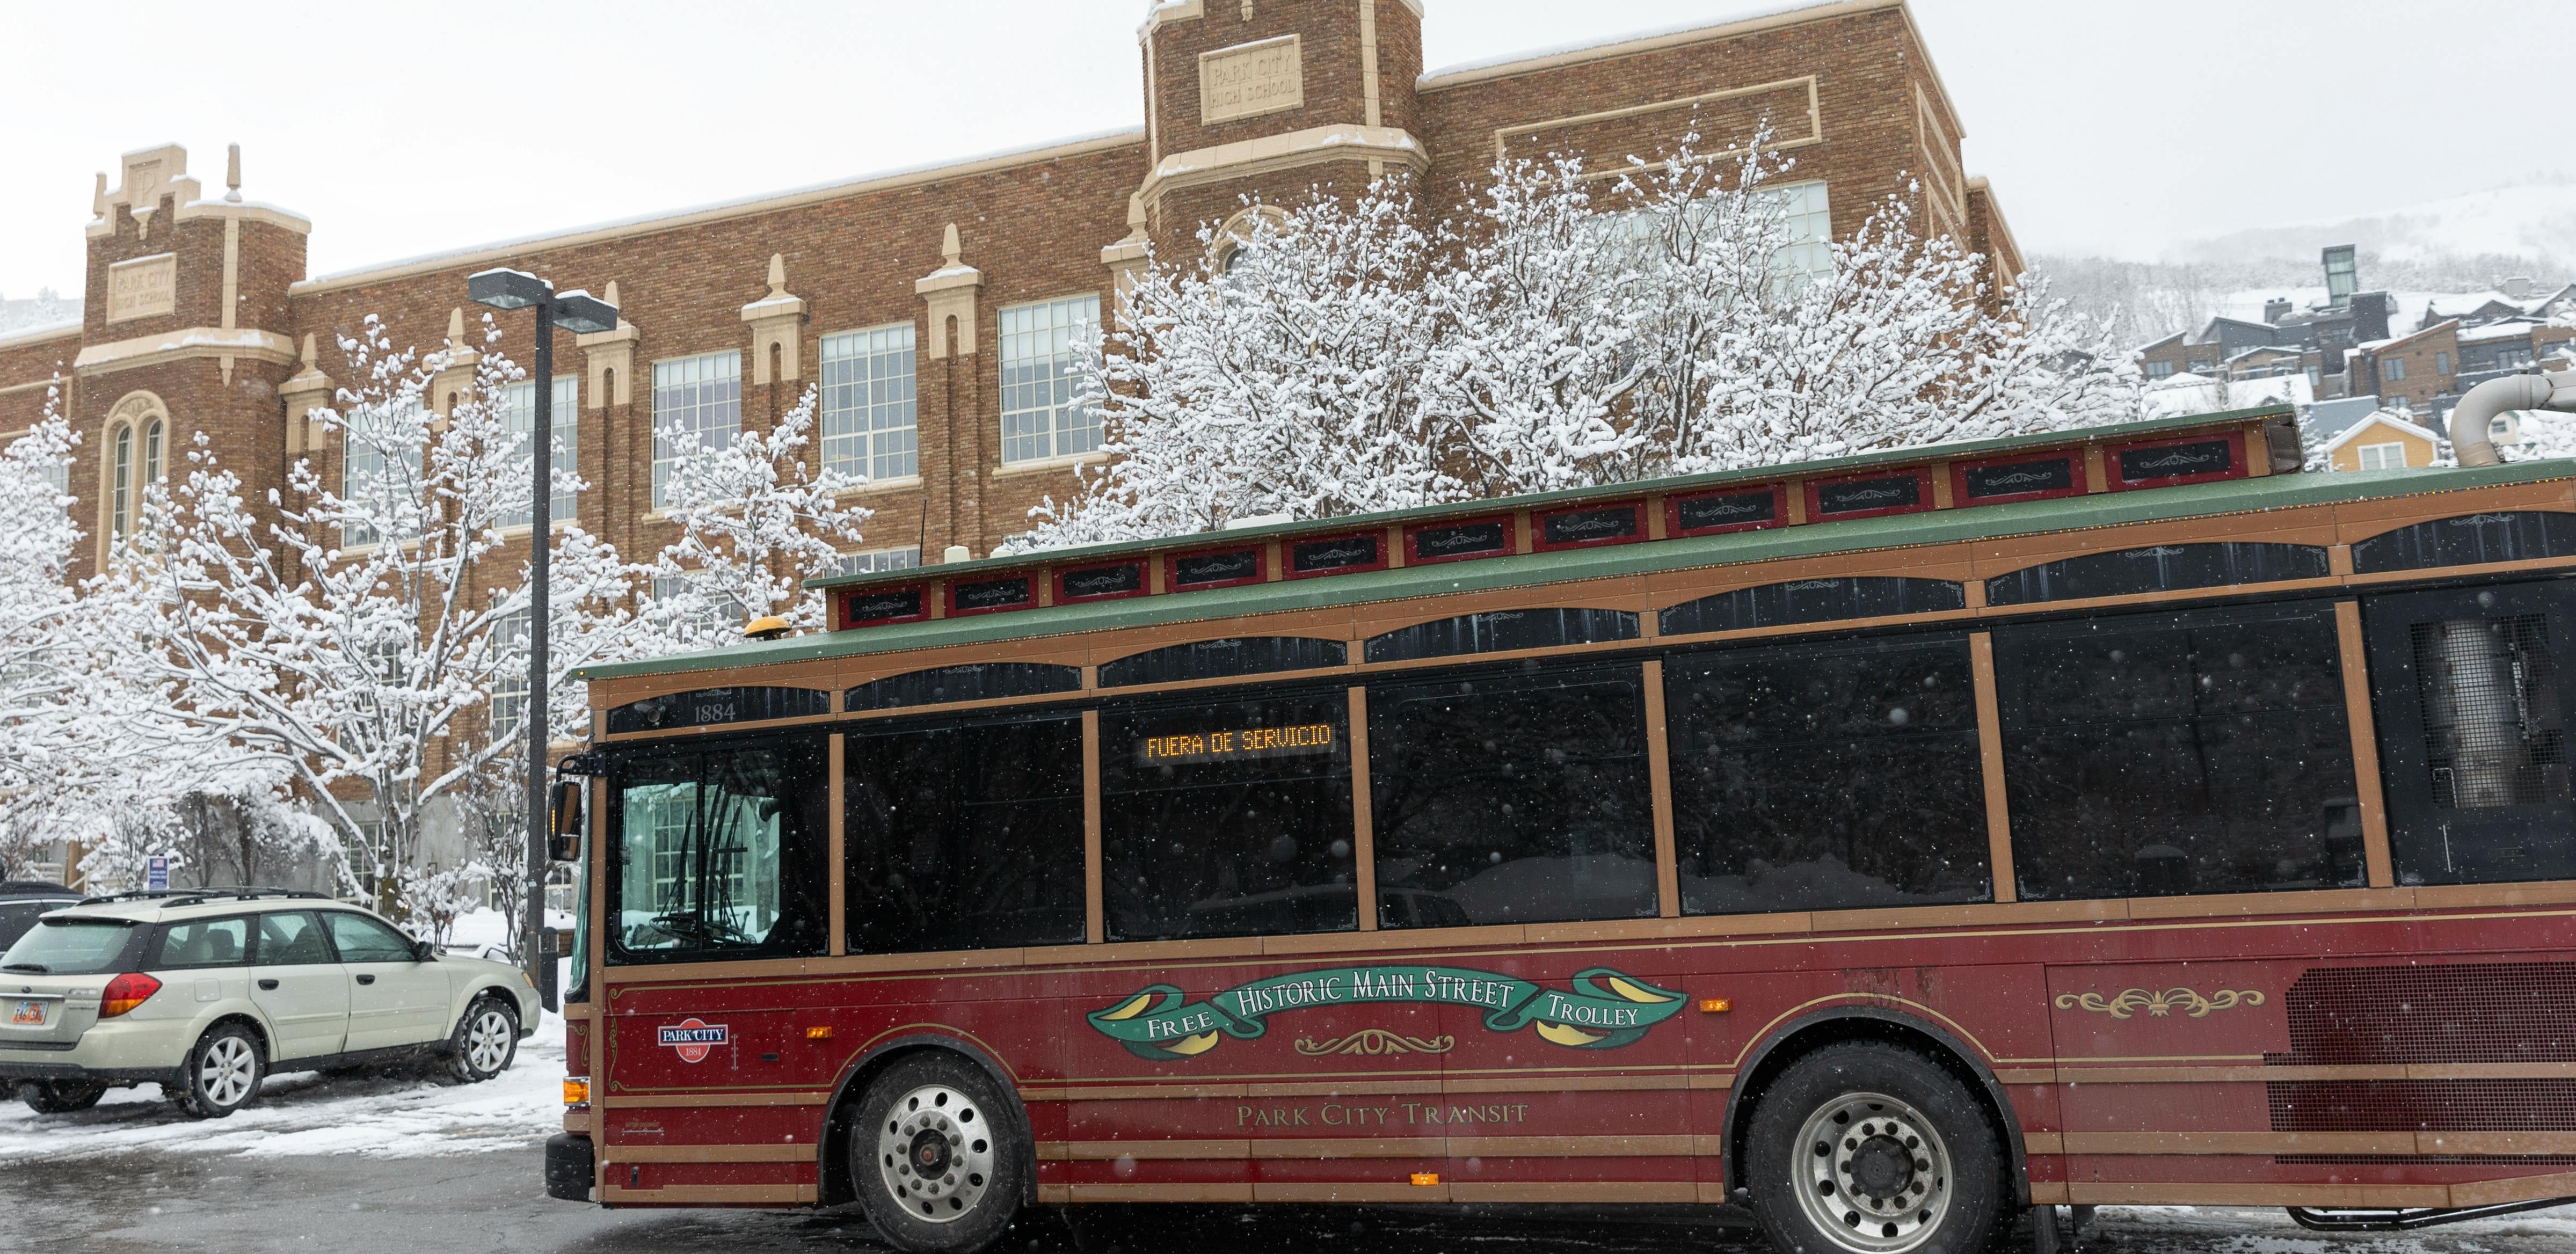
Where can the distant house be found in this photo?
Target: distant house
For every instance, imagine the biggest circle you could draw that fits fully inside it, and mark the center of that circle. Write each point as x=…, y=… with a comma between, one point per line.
x=2310, y=341
x=2383, y=440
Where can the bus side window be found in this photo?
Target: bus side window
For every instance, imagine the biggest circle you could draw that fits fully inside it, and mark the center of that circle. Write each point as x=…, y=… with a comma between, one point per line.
x=2473, y=716
x=964, y=835
x=1515, y=796
x=1227, y=817
x=2150, y=755
x=1827, y=777
x=719, y=853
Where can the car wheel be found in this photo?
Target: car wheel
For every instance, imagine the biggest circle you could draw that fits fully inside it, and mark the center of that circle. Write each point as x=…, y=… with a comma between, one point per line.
x=1870, y=1148
x=61, y=1097
x=937, y=1156
x=486, y=1040
x=222, y=1073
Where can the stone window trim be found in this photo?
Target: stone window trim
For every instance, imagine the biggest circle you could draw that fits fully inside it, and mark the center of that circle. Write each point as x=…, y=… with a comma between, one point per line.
x=134, y=444
x=1051, y=464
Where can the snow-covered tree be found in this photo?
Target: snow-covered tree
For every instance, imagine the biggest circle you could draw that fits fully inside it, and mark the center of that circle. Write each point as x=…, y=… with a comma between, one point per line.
x=755, y=521
x=1338, y=358
x=358, y=635
x=39, y=629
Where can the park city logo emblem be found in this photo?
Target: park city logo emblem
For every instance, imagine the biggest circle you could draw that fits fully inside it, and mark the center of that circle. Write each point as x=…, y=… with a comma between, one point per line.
x=693, y=1039
x=1603, y=1010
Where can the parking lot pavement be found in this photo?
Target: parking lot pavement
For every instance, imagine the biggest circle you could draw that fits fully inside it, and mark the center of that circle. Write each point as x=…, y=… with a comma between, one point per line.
x=408, y=1166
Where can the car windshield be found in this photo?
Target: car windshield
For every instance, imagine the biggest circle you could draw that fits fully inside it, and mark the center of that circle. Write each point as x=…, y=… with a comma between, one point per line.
x=68, y=947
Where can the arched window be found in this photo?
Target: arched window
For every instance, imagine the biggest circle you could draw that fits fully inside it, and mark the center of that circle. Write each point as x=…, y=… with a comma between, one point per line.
x=137, y=418
x=121, y=486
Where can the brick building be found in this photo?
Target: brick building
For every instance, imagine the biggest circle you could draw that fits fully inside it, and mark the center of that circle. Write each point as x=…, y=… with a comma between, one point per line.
x=932, y=306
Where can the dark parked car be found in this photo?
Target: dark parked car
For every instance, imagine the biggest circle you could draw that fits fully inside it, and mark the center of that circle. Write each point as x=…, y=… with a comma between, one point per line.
x=21, y=901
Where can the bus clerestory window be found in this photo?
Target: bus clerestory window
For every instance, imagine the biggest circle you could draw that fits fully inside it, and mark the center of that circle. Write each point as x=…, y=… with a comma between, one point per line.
x=1228, y=818
x=1512, y=797
x=2157, y=568
x=2154, y=755
x=719, y=853
x=2468, y=540
x=966, y=835
x=1222, y=659
x=1825, y=777
x=1500, y=631
x=1813, y=601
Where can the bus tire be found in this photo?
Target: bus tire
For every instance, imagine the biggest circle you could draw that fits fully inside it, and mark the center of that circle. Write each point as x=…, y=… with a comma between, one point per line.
x=1864, y=1147
x=937, y=1157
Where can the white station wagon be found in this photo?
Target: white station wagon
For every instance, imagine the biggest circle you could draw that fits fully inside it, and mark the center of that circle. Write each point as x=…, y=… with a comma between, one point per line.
x=207, y=992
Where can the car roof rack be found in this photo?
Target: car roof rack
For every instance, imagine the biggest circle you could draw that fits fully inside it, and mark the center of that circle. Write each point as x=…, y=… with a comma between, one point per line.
x=199, y=896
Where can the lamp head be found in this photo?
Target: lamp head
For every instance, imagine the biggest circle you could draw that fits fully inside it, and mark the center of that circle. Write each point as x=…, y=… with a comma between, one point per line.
x=584, y=314
x=507, y=289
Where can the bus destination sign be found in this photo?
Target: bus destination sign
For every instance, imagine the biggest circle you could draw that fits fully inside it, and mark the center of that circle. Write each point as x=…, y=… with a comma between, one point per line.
x=1233, y=743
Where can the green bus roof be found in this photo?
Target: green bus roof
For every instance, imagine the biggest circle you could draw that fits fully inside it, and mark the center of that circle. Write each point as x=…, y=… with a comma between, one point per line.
x=2236, y=496
x=1832, y=466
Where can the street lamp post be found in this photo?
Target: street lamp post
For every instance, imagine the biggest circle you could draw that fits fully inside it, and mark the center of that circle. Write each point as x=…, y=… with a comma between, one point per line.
x=582, y=314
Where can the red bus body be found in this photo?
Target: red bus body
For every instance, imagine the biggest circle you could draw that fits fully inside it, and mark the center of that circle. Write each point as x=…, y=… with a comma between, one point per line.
x=2384, y=1046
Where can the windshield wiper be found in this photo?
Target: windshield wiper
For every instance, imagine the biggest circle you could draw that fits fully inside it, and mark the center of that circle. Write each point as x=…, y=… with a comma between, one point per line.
x=37, y=967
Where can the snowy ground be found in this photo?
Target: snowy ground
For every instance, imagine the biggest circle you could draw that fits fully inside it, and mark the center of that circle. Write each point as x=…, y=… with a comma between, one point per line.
x=404, y=1164
x=385, y=1116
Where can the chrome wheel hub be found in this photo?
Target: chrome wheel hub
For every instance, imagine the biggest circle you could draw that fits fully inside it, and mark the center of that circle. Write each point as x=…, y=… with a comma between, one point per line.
x=935, y=1153
x=487, y=1040
x=227, y=1072
x=1873, y=1176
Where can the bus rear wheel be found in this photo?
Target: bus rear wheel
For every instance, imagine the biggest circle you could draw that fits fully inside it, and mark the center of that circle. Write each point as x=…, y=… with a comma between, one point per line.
x=1870, y=1148
x=937, y=1157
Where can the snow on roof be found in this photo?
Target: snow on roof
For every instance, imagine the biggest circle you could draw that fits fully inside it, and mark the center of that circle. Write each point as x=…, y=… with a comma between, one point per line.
x=745, y=204
x=1746, y=13
x=2507, y=329
x=37, y=335
x=2382, y=418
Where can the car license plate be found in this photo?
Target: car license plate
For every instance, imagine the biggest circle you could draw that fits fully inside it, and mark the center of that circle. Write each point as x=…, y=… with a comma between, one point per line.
x=27, y=1012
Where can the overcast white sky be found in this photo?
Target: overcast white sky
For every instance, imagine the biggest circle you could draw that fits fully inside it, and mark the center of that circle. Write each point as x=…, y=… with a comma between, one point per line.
x=2107, y=126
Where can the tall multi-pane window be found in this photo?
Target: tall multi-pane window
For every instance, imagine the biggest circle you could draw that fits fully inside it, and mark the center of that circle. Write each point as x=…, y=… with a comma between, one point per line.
x=151, y=457
x=374, y=475
x=1040, y=417
x=700, y=396
x=2392, y=368
x=121, y=490
x=714, y=612
x=1811, y=228
x=1805, y=216
x=868, y=414
x=510, y=682
x=519, y=417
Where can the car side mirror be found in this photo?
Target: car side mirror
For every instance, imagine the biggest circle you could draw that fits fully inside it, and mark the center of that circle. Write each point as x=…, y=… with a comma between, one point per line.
x=563, y=806
x=423, y=951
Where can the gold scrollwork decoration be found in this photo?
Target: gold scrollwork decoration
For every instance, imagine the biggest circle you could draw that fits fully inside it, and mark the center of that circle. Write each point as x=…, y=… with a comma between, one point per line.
x=1376, y=1041
x=2160, y=1003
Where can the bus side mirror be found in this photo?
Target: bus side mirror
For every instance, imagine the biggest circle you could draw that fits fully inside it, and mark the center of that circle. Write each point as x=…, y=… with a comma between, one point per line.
x=563, y=803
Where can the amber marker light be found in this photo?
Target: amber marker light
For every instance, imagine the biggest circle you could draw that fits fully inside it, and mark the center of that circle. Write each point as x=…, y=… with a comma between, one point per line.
x=823, y=1033
x=1426, y=1177
x=1716, y=1005
x=576, y=1092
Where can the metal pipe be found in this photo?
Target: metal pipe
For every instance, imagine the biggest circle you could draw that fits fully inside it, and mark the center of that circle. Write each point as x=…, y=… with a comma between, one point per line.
x=2476, y=411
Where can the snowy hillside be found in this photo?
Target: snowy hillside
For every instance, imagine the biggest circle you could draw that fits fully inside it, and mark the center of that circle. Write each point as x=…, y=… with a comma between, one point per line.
x=2535, y=222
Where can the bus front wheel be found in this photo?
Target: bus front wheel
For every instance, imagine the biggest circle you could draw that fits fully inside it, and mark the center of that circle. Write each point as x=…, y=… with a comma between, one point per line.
x=1869, y=1148
x=936, y=1156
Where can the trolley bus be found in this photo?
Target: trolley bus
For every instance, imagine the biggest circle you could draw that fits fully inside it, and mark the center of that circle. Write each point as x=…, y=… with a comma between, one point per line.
x=1886, y=844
